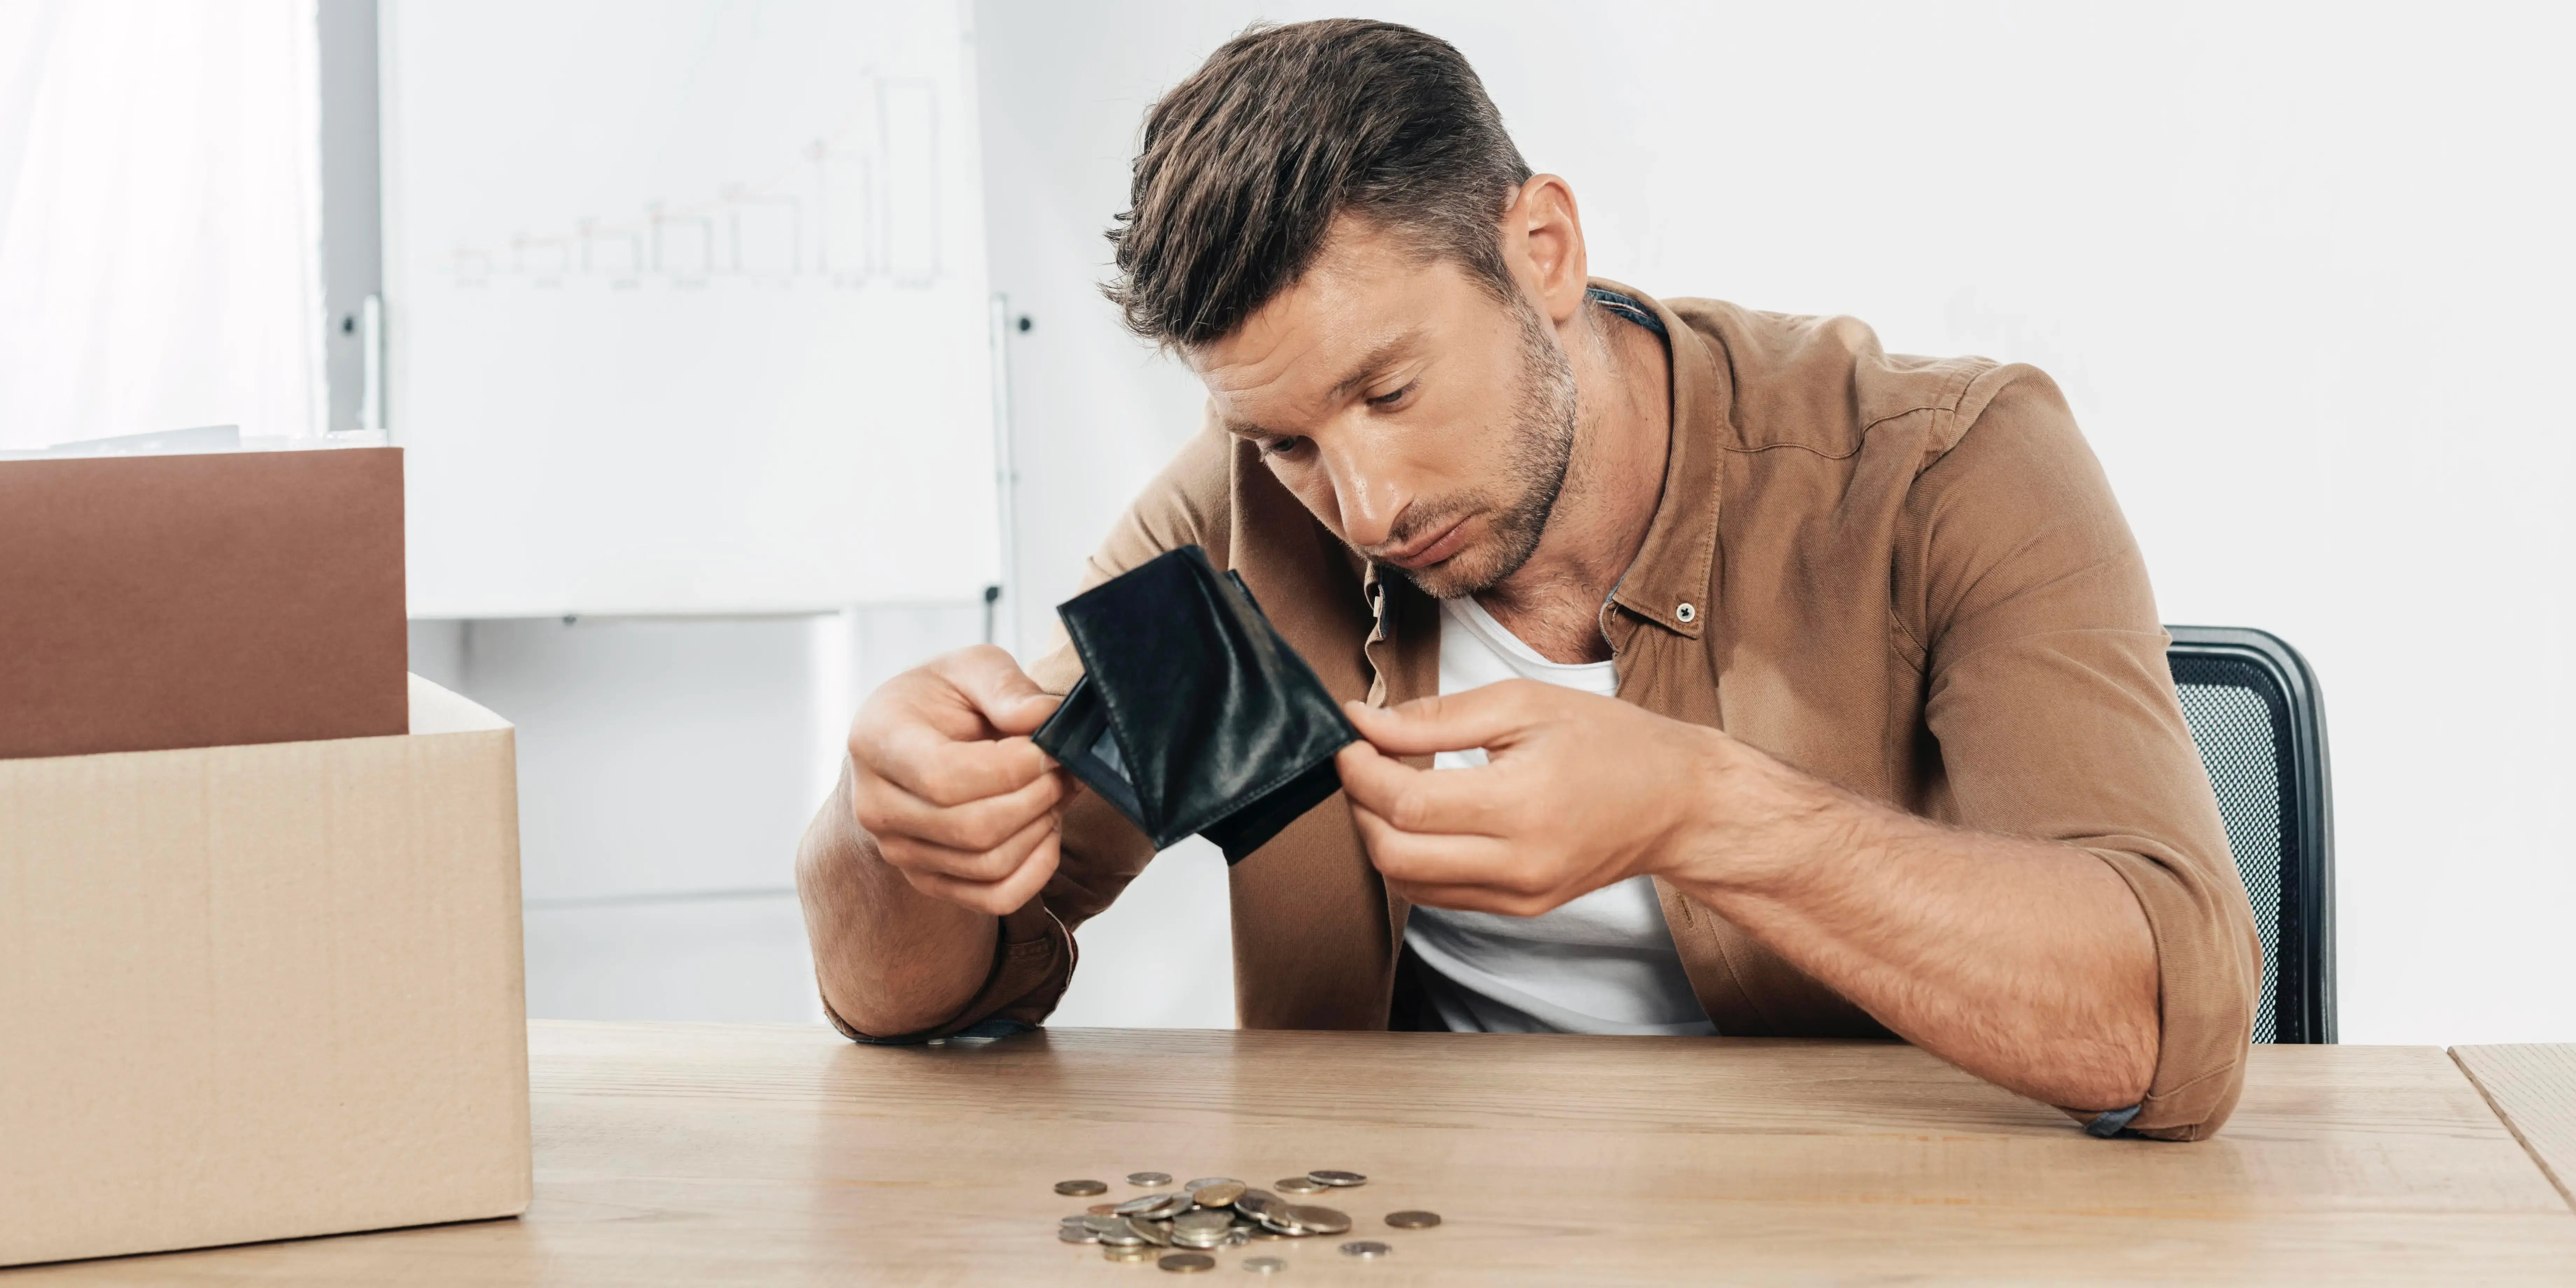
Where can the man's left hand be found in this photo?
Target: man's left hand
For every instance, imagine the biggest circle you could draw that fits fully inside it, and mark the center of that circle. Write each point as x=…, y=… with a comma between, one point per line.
x=1580, y=792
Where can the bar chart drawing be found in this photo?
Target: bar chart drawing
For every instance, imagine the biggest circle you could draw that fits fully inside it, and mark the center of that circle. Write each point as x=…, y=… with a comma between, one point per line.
x=856, y=208
x=687, y=305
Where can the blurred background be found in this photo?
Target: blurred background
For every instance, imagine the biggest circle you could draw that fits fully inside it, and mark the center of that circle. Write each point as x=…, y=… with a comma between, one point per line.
x=739, y=346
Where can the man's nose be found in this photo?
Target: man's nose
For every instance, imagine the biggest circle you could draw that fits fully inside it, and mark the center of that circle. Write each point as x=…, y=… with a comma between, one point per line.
x=1368, y=500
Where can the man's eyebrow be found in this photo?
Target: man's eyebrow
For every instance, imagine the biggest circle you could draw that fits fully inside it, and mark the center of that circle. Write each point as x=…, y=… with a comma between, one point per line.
x=1385, y=355
x=1378, y=360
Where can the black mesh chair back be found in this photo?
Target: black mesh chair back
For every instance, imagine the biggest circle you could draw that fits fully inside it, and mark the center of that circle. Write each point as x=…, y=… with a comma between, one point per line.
x=2254, y=712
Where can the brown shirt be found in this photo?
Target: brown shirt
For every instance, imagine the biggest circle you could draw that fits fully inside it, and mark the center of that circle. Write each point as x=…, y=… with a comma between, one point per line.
x=1905, y=575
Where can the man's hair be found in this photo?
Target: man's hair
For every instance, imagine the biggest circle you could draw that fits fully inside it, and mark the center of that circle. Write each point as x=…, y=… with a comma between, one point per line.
x=1245, y=166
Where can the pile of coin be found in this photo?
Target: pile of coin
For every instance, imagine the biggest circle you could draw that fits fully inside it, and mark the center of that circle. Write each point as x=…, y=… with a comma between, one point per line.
x=1177, y=1229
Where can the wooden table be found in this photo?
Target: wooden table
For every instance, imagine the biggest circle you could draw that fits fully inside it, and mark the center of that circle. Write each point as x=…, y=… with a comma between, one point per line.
x=707, y=1154
x=2533, y=1088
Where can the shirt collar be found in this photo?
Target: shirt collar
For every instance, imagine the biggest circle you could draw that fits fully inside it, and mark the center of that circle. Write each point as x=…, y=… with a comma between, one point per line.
x=1669, y=584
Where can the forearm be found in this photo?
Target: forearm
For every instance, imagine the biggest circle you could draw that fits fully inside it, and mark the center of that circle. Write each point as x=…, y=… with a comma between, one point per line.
x=889, y=959
x=2027, y=963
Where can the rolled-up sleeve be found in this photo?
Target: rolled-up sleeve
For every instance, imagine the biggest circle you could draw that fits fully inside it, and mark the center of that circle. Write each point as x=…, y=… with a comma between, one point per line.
x=2050, y=698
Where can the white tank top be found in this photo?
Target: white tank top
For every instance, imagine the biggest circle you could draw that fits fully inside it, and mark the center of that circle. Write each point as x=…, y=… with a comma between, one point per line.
x=1603, y=963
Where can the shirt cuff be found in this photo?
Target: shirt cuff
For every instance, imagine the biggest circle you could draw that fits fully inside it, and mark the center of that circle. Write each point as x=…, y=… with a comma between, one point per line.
x=2111, y=1122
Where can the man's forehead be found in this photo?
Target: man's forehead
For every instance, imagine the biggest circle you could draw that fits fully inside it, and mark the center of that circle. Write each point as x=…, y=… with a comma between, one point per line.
x=1363, y=302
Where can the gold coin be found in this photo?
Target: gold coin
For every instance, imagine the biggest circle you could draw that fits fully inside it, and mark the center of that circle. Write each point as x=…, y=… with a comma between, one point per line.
x=1080, y=1187
x=1318, y=1220
x=1413, y=1220
x=1219, y=1194
x=1299, y=1185
x=1187, y=1263
x=1149, y=1179
x=1135, y=1253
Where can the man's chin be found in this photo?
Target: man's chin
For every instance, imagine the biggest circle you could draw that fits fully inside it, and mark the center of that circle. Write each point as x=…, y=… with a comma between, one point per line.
x=1464, y=573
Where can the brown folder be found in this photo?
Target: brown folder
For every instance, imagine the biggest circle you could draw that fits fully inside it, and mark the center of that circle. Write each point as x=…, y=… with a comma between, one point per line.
x=157, y=602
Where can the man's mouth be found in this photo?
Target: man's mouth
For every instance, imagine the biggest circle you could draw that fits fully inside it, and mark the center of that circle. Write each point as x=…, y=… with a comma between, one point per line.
x=1440, y=545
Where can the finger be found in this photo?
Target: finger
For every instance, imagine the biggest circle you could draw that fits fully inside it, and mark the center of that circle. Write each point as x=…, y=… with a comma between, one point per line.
x=946, y=771
x=1477, y=800
x=975, y=867
x=885, y=810
x=1443, y=859
x=999, y=898
x=993, y=682
x=1480, y=717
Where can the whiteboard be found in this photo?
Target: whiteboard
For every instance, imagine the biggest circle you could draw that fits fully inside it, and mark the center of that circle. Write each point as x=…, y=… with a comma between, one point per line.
x=685, y=305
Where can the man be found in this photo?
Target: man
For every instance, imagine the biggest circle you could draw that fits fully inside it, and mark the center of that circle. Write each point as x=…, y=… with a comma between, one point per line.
x=1717, y=672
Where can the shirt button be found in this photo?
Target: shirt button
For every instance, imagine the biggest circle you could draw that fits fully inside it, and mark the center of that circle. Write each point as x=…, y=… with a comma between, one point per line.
x=1687, y=614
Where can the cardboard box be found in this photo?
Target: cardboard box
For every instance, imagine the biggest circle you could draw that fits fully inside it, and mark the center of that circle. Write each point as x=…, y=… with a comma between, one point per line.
x=151, y=602
x=259, y=992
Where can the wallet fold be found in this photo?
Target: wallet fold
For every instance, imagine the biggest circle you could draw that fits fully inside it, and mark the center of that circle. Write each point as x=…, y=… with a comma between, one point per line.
x=1193, y=714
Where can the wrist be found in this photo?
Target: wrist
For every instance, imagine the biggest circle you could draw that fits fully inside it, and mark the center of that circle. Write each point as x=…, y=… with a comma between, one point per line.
x=1748, y=823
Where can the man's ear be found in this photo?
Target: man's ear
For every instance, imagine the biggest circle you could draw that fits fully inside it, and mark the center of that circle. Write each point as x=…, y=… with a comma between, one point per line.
x=1542, y=241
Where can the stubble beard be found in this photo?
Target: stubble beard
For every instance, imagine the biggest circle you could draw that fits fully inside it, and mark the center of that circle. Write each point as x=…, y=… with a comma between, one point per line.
x=1539, y=449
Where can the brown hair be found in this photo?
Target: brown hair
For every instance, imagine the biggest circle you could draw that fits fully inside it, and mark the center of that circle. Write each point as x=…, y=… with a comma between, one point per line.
x=1245, y=165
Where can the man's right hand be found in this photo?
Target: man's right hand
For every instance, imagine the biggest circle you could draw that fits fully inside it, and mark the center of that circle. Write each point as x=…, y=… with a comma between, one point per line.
x=945, y=780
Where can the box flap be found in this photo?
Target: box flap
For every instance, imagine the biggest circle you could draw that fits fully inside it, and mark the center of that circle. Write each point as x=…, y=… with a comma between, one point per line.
x=435, y=710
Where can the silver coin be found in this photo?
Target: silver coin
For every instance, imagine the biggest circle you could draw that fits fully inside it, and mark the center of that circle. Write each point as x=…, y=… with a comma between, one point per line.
x=1413, y=1219
x=1202, y=1219
x=1275, y=1220
x=1158, y=1233
x=1365, y=1249
x=1076, y=1234
x=1141, y=1204
x=1338, y=1180
x=1299, y=1185
x=1080, y=1187
x=1203, y=1182
x=1076, y=1219
x=1124, y=1236
x=1149, y=1178
x=1208, y=1241
x=1318, y=1220
x=1104, y=1224
x=1264, y=1265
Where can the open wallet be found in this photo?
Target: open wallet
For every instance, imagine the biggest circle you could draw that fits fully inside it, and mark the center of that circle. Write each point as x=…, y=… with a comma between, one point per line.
x=1193, y=715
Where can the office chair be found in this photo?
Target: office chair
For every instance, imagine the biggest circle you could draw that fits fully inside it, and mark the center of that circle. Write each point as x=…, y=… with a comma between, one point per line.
x=2254, y=712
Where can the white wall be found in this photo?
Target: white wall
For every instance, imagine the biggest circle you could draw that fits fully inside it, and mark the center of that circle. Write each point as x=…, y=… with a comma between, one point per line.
x=2301, y=269
x=666, y=769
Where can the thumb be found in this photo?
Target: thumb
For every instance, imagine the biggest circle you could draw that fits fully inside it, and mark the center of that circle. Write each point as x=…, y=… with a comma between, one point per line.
x=999, y=690
x=1481, y=717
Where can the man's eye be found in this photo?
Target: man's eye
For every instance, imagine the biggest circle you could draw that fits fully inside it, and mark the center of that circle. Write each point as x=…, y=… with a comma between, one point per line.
x=1384, y=401
x=1282, y=446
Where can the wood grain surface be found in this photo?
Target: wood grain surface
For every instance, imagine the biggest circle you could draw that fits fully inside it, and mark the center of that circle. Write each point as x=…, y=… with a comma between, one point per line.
x=2533, y=1087
x=711, y=1154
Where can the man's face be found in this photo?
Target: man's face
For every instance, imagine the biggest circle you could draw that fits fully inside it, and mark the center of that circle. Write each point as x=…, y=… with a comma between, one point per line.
x=1426, y=423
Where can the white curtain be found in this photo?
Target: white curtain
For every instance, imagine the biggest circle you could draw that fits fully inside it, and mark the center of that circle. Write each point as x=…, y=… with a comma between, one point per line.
x=160, y=218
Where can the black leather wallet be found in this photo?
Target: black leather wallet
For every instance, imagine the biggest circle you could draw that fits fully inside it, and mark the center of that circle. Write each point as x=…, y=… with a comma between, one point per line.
x=1193, y=715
